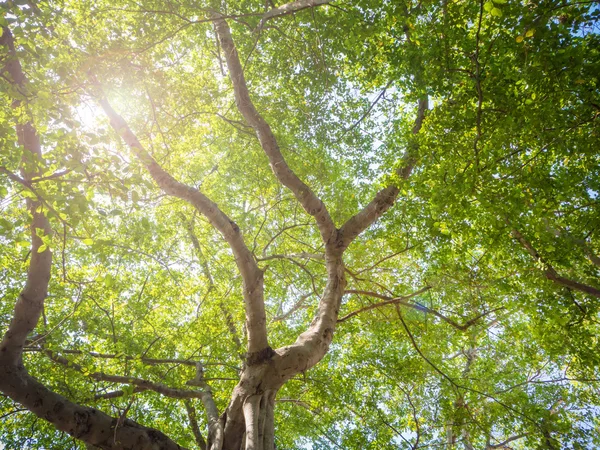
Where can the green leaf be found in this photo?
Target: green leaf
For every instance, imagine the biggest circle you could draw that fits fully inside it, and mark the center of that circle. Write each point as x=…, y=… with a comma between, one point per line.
x=109, y=281
x=5, y=224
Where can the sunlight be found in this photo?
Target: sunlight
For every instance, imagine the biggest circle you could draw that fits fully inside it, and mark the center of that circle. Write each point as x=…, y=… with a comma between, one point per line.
x=90, y=116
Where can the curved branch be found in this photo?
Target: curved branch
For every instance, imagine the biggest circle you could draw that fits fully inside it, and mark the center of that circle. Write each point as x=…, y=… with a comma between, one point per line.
x=313, y=344
x=251, y=274
x=28, y=308
x=87, y=424
x=311, y=203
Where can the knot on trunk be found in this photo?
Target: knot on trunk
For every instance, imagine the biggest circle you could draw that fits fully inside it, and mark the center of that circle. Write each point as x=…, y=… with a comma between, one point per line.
x=259, y=357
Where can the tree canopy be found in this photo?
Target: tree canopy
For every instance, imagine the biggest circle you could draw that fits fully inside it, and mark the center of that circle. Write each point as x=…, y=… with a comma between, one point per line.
x=247, y=225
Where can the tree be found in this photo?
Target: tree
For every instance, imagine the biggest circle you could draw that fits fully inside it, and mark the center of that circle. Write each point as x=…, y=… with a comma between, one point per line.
x=368, y=225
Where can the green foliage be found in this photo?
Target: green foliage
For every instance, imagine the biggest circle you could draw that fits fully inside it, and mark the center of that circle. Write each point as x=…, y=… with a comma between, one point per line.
x=510, y=142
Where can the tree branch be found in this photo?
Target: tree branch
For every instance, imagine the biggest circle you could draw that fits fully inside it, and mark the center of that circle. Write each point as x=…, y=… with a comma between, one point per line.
x=388, y=301
x=290, y=8
x=30, y=346
x=370, y=108
x=416, y=347
x=403, y=301
x=313, y=344
x=295, y=307
x=549, y=270
x=290, y=256
x=30, y=304
x=116, y=394
x=312, y=204
x=191, y=412
x=139, y=382
x=386, y=197
x=251, y=274
x=594, y=259
x=88, y=424
x=215, y=427
x=506, y=442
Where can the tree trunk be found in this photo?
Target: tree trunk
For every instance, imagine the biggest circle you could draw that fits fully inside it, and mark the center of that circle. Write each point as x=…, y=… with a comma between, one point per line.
x=248, y=422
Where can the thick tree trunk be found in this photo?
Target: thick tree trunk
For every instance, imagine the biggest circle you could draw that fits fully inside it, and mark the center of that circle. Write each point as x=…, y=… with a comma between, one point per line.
x=248, y=422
